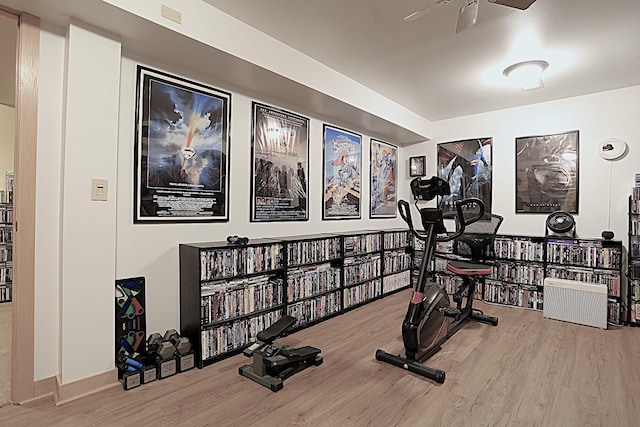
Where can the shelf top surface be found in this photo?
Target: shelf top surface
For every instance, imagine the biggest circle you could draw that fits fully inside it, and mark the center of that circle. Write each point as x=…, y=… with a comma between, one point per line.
x=317, y=236
x=581, y=240
x=395, y=230
x=224, y=244
x=360, y=233
x=538, y=239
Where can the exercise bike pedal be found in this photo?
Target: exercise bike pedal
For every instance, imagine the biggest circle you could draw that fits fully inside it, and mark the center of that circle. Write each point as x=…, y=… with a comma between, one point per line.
x=451, y=312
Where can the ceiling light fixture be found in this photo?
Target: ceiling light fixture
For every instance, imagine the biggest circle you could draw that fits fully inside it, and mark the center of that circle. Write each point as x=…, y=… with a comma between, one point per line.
x=527, y=74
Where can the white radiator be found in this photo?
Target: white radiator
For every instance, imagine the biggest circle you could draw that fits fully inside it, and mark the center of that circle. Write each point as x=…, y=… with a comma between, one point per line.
x=577, y=302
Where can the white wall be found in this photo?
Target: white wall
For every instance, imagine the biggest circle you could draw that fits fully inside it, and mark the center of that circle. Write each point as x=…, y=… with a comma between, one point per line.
x=210, y=26
x=151, y=250
x=87, y=314
x=48, y=200
x=597, y=117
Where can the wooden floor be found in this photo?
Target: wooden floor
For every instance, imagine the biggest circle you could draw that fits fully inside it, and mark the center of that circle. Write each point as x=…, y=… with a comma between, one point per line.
x=527, y=371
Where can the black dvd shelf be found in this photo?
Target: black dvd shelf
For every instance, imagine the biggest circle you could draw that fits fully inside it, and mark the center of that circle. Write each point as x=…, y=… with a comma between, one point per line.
x=521, y=263
x=313, y=277
x=6, y=240
x=230, y=292
x=397, y=258
x=633, y=267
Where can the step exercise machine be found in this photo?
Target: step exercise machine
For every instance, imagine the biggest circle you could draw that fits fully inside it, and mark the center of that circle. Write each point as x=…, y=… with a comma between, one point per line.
x=430, y=318
x=273, y=362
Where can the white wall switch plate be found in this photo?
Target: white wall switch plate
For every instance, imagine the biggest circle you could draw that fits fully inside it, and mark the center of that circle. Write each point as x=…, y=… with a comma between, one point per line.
x=99, y=189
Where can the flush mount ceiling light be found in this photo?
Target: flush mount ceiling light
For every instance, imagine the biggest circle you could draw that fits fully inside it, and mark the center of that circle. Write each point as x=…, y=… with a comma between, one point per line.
x=527, y=74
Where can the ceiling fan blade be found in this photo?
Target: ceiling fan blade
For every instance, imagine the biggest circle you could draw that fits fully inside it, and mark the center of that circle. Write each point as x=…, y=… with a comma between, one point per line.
x=420, y=13
x=467, y=16
x=518, y=4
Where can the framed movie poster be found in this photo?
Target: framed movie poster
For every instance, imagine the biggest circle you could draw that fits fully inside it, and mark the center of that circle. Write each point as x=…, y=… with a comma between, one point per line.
x=383, y=180
x=417, y=166
x=181, y=150
x=466, y=166
x=547, y=170
x=342, y=160
x=280, y=158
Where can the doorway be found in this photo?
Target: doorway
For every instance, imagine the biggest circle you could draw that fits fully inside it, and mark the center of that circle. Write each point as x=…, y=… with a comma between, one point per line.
x=25, y=82
x=8, y=48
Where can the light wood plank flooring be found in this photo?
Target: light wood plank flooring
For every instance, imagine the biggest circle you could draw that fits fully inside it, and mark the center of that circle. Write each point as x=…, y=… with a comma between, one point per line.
x=527, y=371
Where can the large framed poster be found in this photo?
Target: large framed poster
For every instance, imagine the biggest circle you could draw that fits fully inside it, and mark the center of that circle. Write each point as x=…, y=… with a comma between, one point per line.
x=547, y=172
x=280, y=152
x=181, y=150
x=466, y=166
x=342, y=159
x=384, y=195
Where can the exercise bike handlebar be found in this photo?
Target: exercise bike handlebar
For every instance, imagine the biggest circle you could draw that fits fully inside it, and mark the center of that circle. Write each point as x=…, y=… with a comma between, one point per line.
x=461, y=221
x=405, y=213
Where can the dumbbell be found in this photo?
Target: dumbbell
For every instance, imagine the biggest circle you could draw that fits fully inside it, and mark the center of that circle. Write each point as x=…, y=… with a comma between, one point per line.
x=162, y=354
x=182, y=345
x=132, y=371
x=237, y=240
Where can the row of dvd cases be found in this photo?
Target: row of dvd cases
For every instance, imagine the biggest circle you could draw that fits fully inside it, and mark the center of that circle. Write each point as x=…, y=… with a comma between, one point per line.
x=229, y=292
x=521, y=263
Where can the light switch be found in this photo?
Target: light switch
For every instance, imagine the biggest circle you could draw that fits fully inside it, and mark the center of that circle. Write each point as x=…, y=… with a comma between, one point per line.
x=99, y=189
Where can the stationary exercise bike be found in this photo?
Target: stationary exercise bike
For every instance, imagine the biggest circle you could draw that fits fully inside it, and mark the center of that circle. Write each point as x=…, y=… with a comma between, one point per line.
x=430, y=319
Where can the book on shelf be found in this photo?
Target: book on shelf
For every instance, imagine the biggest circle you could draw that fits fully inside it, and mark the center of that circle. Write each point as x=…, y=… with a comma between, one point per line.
x=363, y=292
x=305, y=282
x=240, y=297
x=231, y=336
x=310, y=310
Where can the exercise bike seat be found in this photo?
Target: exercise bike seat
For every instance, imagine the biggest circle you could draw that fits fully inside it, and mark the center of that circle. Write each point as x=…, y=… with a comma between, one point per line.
x=466, y=268
x=475, y=243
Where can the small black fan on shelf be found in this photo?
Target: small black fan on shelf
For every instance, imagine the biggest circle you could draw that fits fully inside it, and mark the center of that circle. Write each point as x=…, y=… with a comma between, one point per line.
x=561, y=223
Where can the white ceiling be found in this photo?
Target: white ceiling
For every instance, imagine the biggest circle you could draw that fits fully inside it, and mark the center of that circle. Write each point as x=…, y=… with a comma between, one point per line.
x=424, y=65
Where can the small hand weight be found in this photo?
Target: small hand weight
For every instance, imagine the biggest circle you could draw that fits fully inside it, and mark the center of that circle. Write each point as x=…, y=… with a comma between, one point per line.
x=237, y=240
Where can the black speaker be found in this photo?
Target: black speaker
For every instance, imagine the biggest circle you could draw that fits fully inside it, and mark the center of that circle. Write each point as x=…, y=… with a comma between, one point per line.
x=607, y=235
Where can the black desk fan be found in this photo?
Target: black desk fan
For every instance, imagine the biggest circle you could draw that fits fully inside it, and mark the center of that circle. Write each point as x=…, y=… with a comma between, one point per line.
x=561, y=223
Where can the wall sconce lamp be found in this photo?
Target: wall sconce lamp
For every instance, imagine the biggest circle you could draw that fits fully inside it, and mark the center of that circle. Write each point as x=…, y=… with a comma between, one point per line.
x=527, y=74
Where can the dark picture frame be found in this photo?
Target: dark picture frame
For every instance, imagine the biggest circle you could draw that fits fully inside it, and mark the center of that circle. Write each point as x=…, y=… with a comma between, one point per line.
x=417, y=166
x=383, y=196
x=467, y=166
x=280, y=161
x=548, y=173
x=182, y=143
x=341, y=173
